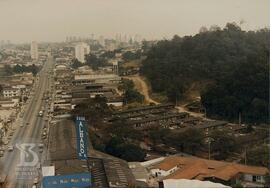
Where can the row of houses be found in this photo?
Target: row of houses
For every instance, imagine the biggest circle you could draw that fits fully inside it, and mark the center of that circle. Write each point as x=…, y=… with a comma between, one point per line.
x=74, y=86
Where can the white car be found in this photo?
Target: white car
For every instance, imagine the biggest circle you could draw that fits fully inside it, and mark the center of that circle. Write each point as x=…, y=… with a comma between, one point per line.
x=35, y=180
x=1, y=153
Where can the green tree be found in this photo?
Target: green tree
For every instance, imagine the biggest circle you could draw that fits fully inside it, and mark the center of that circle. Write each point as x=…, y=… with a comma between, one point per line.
x=76, y=63
x=129, y=152
x=94, y=109
x=158, y=135
x=259, y=156
x=222, y=143
x=132, y=95
x=189, y=141
x=93, y=61
x=233, y=61
x=8, y=70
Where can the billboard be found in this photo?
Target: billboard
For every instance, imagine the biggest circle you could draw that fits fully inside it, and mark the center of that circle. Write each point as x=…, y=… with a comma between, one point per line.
x=81, y=133
x=48, y=171
x=80, y=180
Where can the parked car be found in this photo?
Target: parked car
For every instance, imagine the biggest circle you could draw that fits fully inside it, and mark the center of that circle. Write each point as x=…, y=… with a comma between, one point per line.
x=1, y=153
x=10, y=148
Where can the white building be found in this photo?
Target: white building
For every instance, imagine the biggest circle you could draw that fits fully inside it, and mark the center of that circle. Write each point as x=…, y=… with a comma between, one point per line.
x=10, y=92
x=98, y=78
x=34, y=50
x=81, y=49
x=101, y=41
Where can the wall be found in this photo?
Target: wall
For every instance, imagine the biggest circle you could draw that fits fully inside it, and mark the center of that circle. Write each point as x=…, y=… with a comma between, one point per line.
x=249, y=177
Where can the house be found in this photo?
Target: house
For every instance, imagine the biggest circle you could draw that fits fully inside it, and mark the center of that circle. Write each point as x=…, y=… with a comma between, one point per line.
x=192, y=168
x=9, y=92
x=7, y=103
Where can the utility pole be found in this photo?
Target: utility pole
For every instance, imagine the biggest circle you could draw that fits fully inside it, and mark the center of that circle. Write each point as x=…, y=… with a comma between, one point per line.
x=245, y=155
x=209, y=140
x=239, y=118
x=209, y=149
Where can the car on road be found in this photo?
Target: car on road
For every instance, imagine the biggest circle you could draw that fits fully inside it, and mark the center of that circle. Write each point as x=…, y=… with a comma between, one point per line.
x=40, y=113
x=10, y=148
x=36, y=180
x=1, y=153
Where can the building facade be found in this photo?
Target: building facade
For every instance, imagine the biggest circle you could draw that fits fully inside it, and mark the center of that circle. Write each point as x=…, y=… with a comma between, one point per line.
x=34, y=50
x=81, y=50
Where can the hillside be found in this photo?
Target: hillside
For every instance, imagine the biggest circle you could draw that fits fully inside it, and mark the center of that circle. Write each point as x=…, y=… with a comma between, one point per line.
x=234, y=62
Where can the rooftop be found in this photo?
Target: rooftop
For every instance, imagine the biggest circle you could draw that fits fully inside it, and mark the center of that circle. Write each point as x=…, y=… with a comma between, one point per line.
x=197, y=168
x=107, y=171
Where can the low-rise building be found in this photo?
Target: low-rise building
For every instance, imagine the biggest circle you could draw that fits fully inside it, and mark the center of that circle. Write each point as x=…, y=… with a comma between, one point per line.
x=106, y=171
x=176, y=167
x=10, y=92
x=9, y=103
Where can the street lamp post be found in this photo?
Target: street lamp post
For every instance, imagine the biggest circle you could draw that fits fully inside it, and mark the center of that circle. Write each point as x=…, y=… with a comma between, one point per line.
x=209, y=140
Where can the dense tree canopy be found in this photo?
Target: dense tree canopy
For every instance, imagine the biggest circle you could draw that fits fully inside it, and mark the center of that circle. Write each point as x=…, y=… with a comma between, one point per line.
x=94, y=109
x=189, y=141
x=129, y=152
x=17, y=69
x=222, y=144
x=234, y=62
x=128, y=56
x=258, y=156
x=91, y=60
x=131, y=95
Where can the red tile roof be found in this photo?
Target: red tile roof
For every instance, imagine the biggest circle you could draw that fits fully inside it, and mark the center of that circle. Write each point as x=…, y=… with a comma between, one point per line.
x=197, y=168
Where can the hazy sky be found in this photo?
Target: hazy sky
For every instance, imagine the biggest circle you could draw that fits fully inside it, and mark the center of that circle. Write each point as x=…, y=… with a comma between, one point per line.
x=53, y=20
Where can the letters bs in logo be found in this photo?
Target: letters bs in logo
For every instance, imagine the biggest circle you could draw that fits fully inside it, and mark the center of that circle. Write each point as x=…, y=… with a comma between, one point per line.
x=27, y=168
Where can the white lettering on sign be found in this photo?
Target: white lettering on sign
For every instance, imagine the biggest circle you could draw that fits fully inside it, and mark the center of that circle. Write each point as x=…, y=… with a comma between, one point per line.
x=81, y=134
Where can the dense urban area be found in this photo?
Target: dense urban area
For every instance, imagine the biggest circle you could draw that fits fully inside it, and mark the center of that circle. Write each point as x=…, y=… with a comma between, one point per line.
x=157, y=113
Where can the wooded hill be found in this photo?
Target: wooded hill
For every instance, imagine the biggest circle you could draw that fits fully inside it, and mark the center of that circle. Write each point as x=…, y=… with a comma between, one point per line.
x=233, y=61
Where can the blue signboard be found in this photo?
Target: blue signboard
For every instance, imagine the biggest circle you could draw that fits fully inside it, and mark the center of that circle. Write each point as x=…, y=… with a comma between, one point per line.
x=80, y=180
x=81, y=133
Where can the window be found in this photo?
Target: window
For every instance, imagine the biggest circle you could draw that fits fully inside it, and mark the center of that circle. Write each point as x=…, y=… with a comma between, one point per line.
x=254, y=178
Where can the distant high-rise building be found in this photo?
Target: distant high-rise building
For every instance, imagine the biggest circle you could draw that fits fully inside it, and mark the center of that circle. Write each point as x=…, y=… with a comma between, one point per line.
x=101, y=41
x=138, y=38
x=34, y=50
x=81, y=49
x=115, y=67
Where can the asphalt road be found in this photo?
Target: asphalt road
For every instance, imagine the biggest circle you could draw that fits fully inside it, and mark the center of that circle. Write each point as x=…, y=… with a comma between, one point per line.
x=32, y=126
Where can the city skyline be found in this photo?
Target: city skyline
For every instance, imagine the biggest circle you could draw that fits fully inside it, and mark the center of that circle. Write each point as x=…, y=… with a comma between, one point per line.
x=52, y=20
